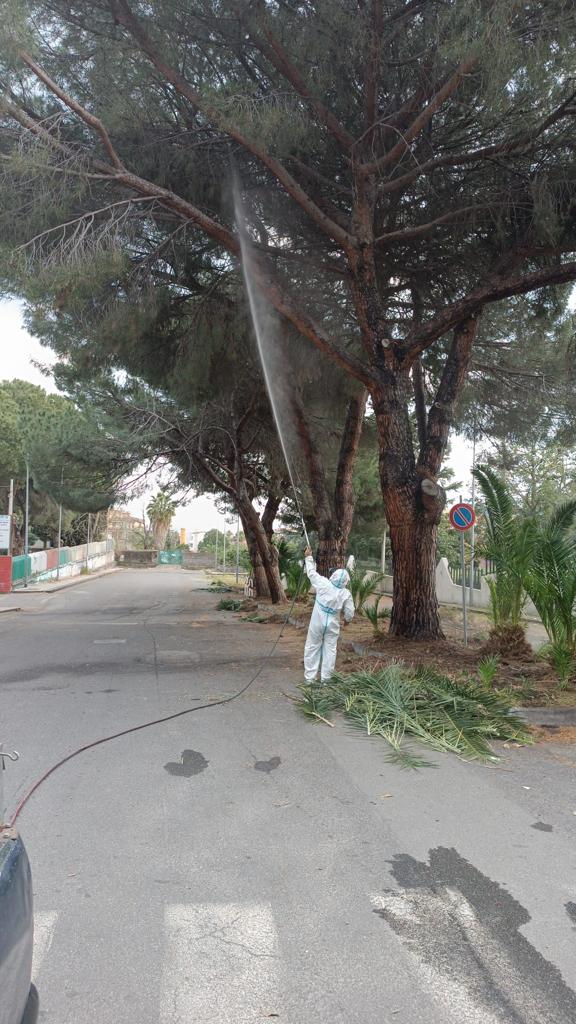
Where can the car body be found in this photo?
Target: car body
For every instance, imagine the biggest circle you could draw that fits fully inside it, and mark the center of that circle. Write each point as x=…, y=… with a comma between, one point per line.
x=18, y=997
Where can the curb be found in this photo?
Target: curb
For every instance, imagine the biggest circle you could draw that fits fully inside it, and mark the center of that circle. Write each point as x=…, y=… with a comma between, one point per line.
x=547, y=716
x=12, y=609
x=65, y=585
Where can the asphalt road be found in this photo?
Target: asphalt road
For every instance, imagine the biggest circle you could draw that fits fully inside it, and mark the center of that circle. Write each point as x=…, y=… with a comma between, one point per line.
x=242, y=864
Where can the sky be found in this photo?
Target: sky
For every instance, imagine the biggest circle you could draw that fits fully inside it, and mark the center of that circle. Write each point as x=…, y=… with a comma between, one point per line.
x=19, y=352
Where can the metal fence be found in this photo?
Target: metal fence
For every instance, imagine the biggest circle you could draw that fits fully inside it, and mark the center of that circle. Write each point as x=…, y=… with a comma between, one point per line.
x=169, y=558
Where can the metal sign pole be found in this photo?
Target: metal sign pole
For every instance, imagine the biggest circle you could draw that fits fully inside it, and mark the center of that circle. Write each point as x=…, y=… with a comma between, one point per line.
x=224, y=555
x=463, y=568
x=473, y=531
x=464, y=612
x=216, y=552
x=237, y=547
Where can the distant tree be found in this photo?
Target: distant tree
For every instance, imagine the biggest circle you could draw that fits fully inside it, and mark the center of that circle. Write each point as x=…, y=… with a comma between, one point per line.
x=161, y=509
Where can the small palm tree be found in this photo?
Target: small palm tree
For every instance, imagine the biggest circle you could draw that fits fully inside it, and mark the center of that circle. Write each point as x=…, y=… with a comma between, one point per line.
x=363, y=586
x=160, y=511
x=509, y=546
x=551, y=583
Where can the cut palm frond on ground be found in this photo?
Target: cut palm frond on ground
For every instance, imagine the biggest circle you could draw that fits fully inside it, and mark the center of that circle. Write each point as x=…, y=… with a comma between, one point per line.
x=398, y=702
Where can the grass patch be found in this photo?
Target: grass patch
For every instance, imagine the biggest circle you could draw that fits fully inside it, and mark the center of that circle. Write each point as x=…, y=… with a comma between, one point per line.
x=399, y=703
x=228, y=604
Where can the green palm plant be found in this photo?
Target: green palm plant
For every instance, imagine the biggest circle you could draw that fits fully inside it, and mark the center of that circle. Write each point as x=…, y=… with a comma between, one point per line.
x=551, y=584
x=363, y=586
x=375, y=615
x=509, y=546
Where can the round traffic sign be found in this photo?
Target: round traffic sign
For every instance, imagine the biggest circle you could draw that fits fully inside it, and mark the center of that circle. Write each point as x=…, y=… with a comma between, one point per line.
x=462, y=516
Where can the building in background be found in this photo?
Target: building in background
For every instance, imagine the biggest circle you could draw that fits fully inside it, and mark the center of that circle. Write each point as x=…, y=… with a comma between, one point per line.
x=127, y=531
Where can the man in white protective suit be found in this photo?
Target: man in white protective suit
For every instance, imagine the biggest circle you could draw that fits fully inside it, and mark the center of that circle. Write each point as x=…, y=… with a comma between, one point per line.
x=332, y=597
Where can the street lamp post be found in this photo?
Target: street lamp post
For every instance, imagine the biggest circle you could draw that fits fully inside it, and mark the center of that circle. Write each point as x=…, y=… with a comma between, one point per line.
x=60, y=524
x=26, y=524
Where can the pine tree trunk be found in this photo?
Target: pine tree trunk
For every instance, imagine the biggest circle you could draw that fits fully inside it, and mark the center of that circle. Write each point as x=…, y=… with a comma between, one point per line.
x=331, y=549
x=415, y=606
x=259, y=576
x=413, y=503
x=263, y=556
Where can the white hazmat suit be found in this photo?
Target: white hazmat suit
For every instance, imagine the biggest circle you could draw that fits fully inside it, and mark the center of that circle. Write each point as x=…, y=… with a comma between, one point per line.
x=332, y=597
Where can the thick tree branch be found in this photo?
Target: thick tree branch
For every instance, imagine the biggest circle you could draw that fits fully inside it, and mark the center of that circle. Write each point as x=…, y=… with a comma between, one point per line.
x=344, y=499
x=444, y=93
x=126, y=18
x=424, y=335
x=272, y=49
x=419, y=401
x=271, y=289
x=516, y=144
x=93, y=122
x=406, y=234
x=372, y=68
x=447, y=395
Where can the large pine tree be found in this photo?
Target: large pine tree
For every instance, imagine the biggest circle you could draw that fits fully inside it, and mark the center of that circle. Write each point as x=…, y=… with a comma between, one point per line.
x=404, y=166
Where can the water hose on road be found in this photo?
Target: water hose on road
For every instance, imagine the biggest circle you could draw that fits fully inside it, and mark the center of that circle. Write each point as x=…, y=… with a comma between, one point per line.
x=157, y=721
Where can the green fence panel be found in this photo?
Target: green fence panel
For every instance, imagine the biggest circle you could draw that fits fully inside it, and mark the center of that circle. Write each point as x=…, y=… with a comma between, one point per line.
x=64, y=556
x=170, y=558
x=20, y=569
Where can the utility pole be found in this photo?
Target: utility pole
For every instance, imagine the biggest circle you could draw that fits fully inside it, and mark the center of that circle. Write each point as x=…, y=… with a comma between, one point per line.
x=216, y=552
x=224, y=555
x=383, y=562
x=88, y=545
x=26, y=524
x=60, y=524
x=10, y=513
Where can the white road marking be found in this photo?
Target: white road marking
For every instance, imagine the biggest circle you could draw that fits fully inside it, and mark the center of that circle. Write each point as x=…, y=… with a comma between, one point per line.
x=109, y=641
x=220, y=964
x=43, y=934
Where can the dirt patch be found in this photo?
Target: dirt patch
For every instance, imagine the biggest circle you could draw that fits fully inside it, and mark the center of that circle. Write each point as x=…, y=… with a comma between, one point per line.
x=534, y=680
x=519, y=669
x=563, y=734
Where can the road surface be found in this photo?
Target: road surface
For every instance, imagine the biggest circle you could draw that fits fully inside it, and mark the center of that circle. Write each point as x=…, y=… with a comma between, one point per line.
x=242, y=864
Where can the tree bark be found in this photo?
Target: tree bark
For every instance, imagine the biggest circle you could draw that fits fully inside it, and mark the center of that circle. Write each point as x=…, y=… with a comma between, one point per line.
x=413, y=499
x=260, y=582
x=331, y=549
x=413, y=504
x=263, y=554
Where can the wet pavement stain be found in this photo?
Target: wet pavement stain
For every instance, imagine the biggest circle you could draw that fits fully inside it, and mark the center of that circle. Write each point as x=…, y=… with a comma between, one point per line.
x=541, y=826
x=465, y=930
x=192, y=763
x=571, y=911
x=268, y=766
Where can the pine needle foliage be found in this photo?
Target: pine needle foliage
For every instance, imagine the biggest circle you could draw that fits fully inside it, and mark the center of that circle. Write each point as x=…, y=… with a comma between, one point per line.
x=400, y=703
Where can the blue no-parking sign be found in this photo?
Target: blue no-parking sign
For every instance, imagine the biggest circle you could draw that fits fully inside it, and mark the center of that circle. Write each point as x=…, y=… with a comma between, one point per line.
x=462, y=516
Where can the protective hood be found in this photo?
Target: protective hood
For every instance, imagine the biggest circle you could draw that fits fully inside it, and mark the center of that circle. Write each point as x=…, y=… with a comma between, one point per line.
x=340, y=578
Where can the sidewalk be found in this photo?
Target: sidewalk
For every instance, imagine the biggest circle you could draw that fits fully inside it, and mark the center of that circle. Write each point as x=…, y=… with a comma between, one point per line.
x=14, y=601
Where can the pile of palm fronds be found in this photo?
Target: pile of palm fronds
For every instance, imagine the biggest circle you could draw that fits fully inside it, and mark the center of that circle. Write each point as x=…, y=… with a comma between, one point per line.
x=227, y=604
x=451, y=716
